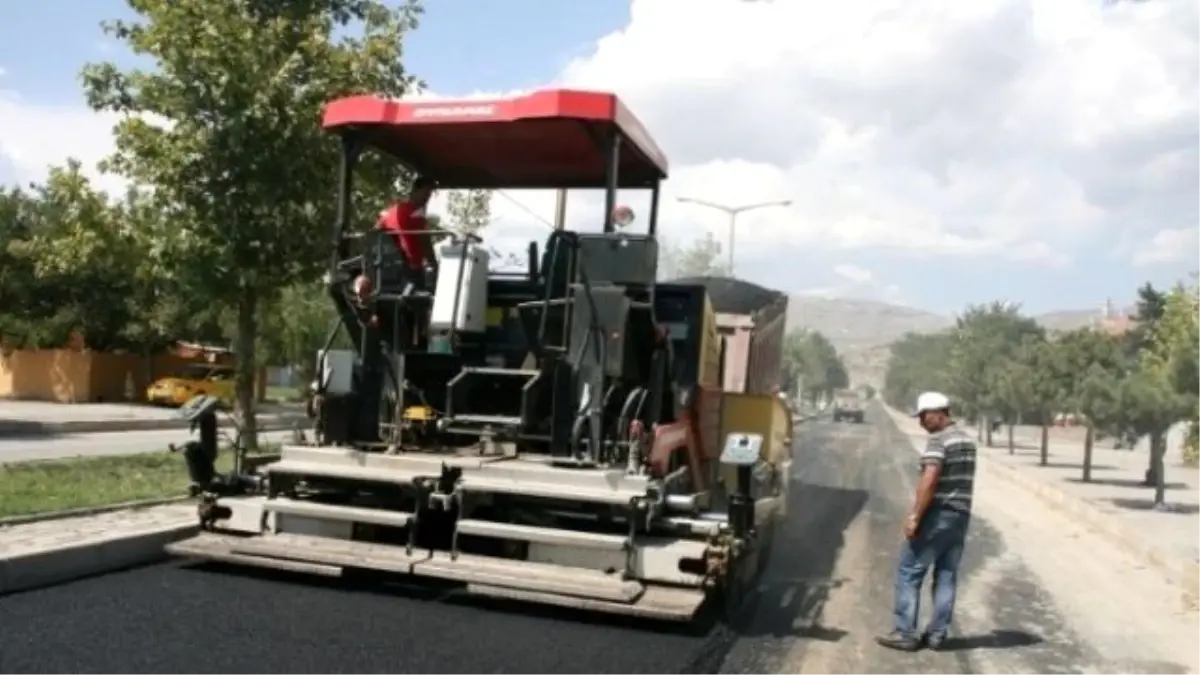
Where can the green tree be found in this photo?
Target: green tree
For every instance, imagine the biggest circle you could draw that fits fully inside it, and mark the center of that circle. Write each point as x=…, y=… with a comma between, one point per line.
x=700, y=258
x=1151, y=305
x=225, y=131
x=20, y=294
x=468, y=211
x=1013, y=385
x=1051, y=385
x=1152, y=405
x=298, y=326
x=987, y=339
x=919, y=362
x=84, y=258
x=812, y=361
x=1094, y=365
x=1176, y=346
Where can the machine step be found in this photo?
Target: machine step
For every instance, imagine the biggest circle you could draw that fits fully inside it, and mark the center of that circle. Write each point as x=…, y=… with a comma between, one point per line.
x=488, y=370
x=517, y=575
x=658, y=603
x=350, y=514
x=541, y=535
x=498, y=420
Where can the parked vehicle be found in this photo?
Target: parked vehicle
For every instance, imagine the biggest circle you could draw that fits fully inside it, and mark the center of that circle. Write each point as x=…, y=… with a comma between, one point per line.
x=848, y=406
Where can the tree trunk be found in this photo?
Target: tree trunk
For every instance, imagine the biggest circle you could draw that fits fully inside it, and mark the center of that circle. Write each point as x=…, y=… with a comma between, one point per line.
x=247, y=334
x=1089, y=440
x=1150, y=459
x=1158, y=447
x=1012, y=443
x=982, y=421
x=987, y=434
x=1045, y=449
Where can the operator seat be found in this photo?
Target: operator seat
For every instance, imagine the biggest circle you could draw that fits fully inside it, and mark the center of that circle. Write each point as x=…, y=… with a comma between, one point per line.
x=385, y=262
x=553, y=284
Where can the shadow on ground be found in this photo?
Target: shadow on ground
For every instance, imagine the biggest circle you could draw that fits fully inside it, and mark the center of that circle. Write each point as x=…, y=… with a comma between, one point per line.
x=996, y=639
x=1074, y=465
x=11, y=429
x=799, y=578
x=1147, y=504
x=1132, y=483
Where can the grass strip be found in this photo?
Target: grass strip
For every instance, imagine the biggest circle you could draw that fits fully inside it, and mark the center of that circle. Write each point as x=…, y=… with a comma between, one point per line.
x=80, y=482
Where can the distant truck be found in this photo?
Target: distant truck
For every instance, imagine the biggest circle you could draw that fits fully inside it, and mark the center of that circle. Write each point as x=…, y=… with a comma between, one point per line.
x=848, y=405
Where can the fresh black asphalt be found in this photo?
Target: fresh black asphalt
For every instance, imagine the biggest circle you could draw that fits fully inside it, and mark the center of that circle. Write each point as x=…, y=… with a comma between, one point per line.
x=172, y=618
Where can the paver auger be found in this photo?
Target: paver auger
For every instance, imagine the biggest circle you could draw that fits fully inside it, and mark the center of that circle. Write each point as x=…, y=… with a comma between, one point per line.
x=557, y=435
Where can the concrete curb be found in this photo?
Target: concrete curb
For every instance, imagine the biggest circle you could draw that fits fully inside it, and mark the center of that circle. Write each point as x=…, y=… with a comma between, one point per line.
x=1181, y=571
x=83, y=512
x=115, y=552
x=9, y=428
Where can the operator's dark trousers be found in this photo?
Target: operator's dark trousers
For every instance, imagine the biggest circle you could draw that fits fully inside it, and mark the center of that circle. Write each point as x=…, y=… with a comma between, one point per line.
x=939, y=545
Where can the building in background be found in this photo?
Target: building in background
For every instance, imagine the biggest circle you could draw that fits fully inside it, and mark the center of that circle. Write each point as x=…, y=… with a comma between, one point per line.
x=1113, y=321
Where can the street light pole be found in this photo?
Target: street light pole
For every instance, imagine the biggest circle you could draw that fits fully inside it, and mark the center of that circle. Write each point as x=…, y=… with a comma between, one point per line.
x=733, y=212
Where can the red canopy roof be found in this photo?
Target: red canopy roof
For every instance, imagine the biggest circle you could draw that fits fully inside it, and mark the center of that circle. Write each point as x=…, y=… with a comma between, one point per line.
x=546, y=139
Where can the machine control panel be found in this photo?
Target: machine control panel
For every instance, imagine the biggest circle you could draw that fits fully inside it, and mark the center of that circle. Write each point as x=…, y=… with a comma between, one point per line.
x=742, y=449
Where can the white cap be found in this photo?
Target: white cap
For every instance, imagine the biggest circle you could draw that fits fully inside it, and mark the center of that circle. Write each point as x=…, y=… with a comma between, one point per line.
x=931, y=400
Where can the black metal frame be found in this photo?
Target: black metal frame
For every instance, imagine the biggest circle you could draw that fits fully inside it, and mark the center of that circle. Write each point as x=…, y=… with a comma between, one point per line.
x=353, y=144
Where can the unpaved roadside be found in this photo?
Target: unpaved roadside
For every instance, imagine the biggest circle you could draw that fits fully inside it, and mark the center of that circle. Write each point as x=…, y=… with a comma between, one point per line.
x=1128, y=611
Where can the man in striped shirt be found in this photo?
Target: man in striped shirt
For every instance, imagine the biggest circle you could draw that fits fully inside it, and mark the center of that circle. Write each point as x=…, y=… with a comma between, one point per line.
x=935, y=531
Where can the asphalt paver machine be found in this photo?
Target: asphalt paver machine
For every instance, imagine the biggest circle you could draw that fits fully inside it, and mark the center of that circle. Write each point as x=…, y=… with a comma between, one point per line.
x=557, y=435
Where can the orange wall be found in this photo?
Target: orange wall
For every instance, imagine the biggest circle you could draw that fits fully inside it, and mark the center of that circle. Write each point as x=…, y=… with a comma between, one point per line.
x=70, y=376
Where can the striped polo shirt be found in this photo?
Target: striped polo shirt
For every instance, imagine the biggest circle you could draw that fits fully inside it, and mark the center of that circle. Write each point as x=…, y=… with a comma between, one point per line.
x=954, y=449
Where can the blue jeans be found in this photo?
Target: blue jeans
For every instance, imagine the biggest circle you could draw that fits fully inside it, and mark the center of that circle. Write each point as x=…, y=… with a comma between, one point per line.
x=939, y=544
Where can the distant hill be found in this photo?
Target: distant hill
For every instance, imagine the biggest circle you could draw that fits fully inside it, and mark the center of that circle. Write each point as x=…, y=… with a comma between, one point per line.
x=863, y=330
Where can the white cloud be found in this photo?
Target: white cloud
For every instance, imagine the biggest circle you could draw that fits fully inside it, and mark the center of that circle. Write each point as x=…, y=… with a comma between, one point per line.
x=1167, y=246
x=854, y=273
x=34, y=137
x=1026, y=131
x=857, y=282
x=1014, y=129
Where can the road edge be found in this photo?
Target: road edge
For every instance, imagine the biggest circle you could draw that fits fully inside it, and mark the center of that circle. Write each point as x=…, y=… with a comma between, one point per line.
x=1179, y=570
x=24, y=428
x=61, y=564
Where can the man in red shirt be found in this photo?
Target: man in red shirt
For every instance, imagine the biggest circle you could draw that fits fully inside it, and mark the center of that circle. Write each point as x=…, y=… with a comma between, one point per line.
x=406, y=221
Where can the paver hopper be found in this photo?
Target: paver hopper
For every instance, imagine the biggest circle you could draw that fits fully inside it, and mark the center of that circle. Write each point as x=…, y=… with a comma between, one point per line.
x=557, y=435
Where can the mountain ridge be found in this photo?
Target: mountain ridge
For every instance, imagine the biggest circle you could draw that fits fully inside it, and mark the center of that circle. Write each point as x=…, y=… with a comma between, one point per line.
x=863, y=330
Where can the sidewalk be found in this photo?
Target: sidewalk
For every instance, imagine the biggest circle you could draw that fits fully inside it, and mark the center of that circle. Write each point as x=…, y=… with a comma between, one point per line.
x=36, y=418
x=1114, y=503
x=52, y=551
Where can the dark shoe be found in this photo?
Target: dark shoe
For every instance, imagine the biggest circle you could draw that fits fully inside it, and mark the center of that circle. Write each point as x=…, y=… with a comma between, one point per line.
x=934, y=641
x=899, y=641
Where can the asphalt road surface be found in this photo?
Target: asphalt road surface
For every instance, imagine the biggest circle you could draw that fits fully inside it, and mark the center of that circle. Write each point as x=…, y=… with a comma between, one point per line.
x=54, y=446
x=824, y=597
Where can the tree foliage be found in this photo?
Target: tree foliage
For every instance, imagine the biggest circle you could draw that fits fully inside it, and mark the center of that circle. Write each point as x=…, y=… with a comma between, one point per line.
x=74, y=262
x=812, y=366
x=225, y=131
x=468, y=211
x=995, y=361
x=700, y=258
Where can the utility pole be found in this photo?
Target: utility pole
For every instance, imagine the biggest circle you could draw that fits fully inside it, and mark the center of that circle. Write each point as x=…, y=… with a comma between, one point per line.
x=733, y=212
x=560, y=209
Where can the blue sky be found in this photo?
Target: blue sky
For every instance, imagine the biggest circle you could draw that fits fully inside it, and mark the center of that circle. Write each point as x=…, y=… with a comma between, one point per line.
x=934, y=155
x=497, y=44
